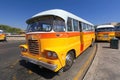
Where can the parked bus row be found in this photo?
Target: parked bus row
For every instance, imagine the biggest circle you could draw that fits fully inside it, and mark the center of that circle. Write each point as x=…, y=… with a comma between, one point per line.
x=107, y=32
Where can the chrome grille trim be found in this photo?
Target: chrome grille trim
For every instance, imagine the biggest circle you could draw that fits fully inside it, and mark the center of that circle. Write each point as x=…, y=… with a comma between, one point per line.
x=33, y=46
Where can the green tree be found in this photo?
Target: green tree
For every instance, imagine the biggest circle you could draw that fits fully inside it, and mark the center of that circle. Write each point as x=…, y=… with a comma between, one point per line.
x=9, y=29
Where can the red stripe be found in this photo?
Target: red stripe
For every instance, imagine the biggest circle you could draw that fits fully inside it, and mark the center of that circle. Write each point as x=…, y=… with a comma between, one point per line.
x=81, y=47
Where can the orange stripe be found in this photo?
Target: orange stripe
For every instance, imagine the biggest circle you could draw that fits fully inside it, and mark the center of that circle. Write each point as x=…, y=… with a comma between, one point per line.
x=53, y=35
x=1, y=34
x=59, y=34
x=89, y=32
x=72, y=34
x=105, y=32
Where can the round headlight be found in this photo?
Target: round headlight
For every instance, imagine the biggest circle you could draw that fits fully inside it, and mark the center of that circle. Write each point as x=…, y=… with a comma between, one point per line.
x=49, y=54
x=23, y=49
x=54, y=55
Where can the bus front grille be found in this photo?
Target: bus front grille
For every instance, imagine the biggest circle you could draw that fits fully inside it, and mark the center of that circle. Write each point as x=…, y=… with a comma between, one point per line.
x=33, y=46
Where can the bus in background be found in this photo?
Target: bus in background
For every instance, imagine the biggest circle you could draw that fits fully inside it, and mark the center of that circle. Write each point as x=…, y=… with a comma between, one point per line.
x=117, y=31
x=2, y=35
x=105, y=32
x=55, y=38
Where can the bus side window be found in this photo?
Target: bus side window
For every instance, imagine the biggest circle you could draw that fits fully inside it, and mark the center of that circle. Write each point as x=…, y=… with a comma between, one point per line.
x=87, y=27
x=69, y=24
x=75, y=25
x=93, y=28
x=83, y=27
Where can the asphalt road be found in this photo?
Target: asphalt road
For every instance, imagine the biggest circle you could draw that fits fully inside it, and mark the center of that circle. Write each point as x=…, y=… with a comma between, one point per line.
x=13, y=68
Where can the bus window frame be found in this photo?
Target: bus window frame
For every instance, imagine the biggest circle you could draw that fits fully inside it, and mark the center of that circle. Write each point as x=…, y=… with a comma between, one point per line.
x=80, y=26
x=76, y=21
x=87, y=27
x=69, y=19
x=72, y=25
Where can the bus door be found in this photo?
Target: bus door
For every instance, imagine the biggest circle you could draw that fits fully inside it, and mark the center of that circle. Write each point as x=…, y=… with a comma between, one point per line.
x=81, y=37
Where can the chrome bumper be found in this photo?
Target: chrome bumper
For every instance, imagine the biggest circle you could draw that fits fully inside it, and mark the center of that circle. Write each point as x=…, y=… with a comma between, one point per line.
x=43, y=64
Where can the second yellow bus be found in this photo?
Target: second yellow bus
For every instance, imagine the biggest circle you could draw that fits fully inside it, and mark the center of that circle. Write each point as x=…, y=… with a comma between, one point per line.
x=117, y=31
x=2, y=35
x=105, y=32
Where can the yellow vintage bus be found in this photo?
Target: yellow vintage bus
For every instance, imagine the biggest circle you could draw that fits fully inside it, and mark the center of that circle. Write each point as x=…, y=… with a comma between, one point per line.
x=117, y=31
x=105, y=32
x=2, y=35
x=54, y=38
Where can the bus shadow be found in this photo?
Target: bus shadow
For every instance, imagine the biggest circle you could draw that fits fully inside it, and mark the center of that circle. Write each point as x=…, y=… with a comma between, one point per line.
x=118, y=38
x=3, y=40
x=106, y=47
x=102, y=42
x=47, y=74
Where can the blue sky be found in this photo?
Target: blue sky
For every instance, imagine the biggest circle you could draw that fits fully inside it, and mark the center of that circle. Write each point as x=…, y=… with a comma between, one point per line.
x=15, y=12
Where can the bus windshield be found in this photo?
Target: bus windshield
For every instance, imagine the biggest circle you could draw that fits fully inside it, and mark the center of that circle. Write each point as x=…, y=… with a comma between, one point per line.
x=1, y=31
x=105, y=29
x=47, y=24
x=117, y=28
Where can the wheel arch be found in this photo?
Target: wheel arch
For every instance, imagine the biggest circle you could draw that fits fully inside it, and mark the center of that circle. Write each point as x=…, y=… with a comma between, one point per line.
x=74, y=52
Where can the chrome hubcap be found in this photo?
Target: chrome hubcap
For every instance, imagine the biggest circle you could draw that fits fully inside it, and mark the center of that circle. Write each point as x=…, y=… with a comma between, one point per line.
x=69, y=60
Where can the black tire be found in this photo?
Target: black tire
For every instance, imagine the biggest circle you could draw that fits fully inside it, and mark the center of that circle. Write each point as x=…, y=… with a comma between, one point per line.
x=69, y=60
x=92, y=43
x=5, y=39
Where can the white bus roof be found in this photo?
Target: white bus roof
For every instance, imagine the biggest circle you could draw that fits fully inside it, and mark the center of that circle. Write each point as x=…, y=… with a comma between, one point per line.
x=61, y=13
x=105, y=26
x=1, y=30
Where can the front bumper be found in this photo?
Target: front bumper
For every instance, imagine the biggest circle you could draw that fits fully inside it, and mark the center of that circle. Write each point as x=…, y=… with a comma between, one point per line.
x=43, y=64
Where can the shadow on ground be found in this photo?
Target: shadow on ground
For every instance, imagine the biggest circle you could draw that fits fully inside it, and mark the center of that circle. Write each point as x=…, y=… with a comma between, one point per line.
x=47, y=74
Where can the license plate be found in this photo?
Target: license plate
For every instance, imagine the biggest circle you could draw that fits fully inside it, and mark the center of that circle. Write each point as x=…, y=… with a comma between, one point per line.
x=105, y=36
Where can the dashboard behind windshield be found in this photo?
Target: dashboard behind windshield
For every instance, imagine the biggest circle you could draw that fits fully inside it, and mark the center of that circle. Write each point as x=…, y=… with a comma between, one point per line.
x=46, y=24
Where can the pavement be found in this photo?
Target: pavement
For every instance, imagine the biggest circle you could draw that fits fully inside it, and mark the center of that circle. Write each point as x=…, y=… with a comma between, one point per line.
x=106, y=64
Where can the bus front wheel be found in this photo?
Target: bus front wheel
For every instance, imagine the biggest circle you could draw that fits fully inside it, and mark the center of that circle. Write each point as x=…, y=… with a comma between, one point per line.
x=92, y=43
x=69, y=60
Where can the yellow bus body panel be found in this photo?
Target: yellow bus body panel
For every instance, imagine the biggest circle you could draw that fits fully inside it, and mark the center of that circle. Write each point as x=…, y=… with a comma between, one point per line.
x=61, y=46
x=2, y=36
x=117, y=34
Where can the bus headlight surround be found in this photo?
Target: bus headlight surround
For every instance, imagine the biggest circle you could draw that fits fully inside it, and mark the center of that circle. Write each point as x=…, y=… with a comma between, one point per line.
x=23, y=49
x=52, y=55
